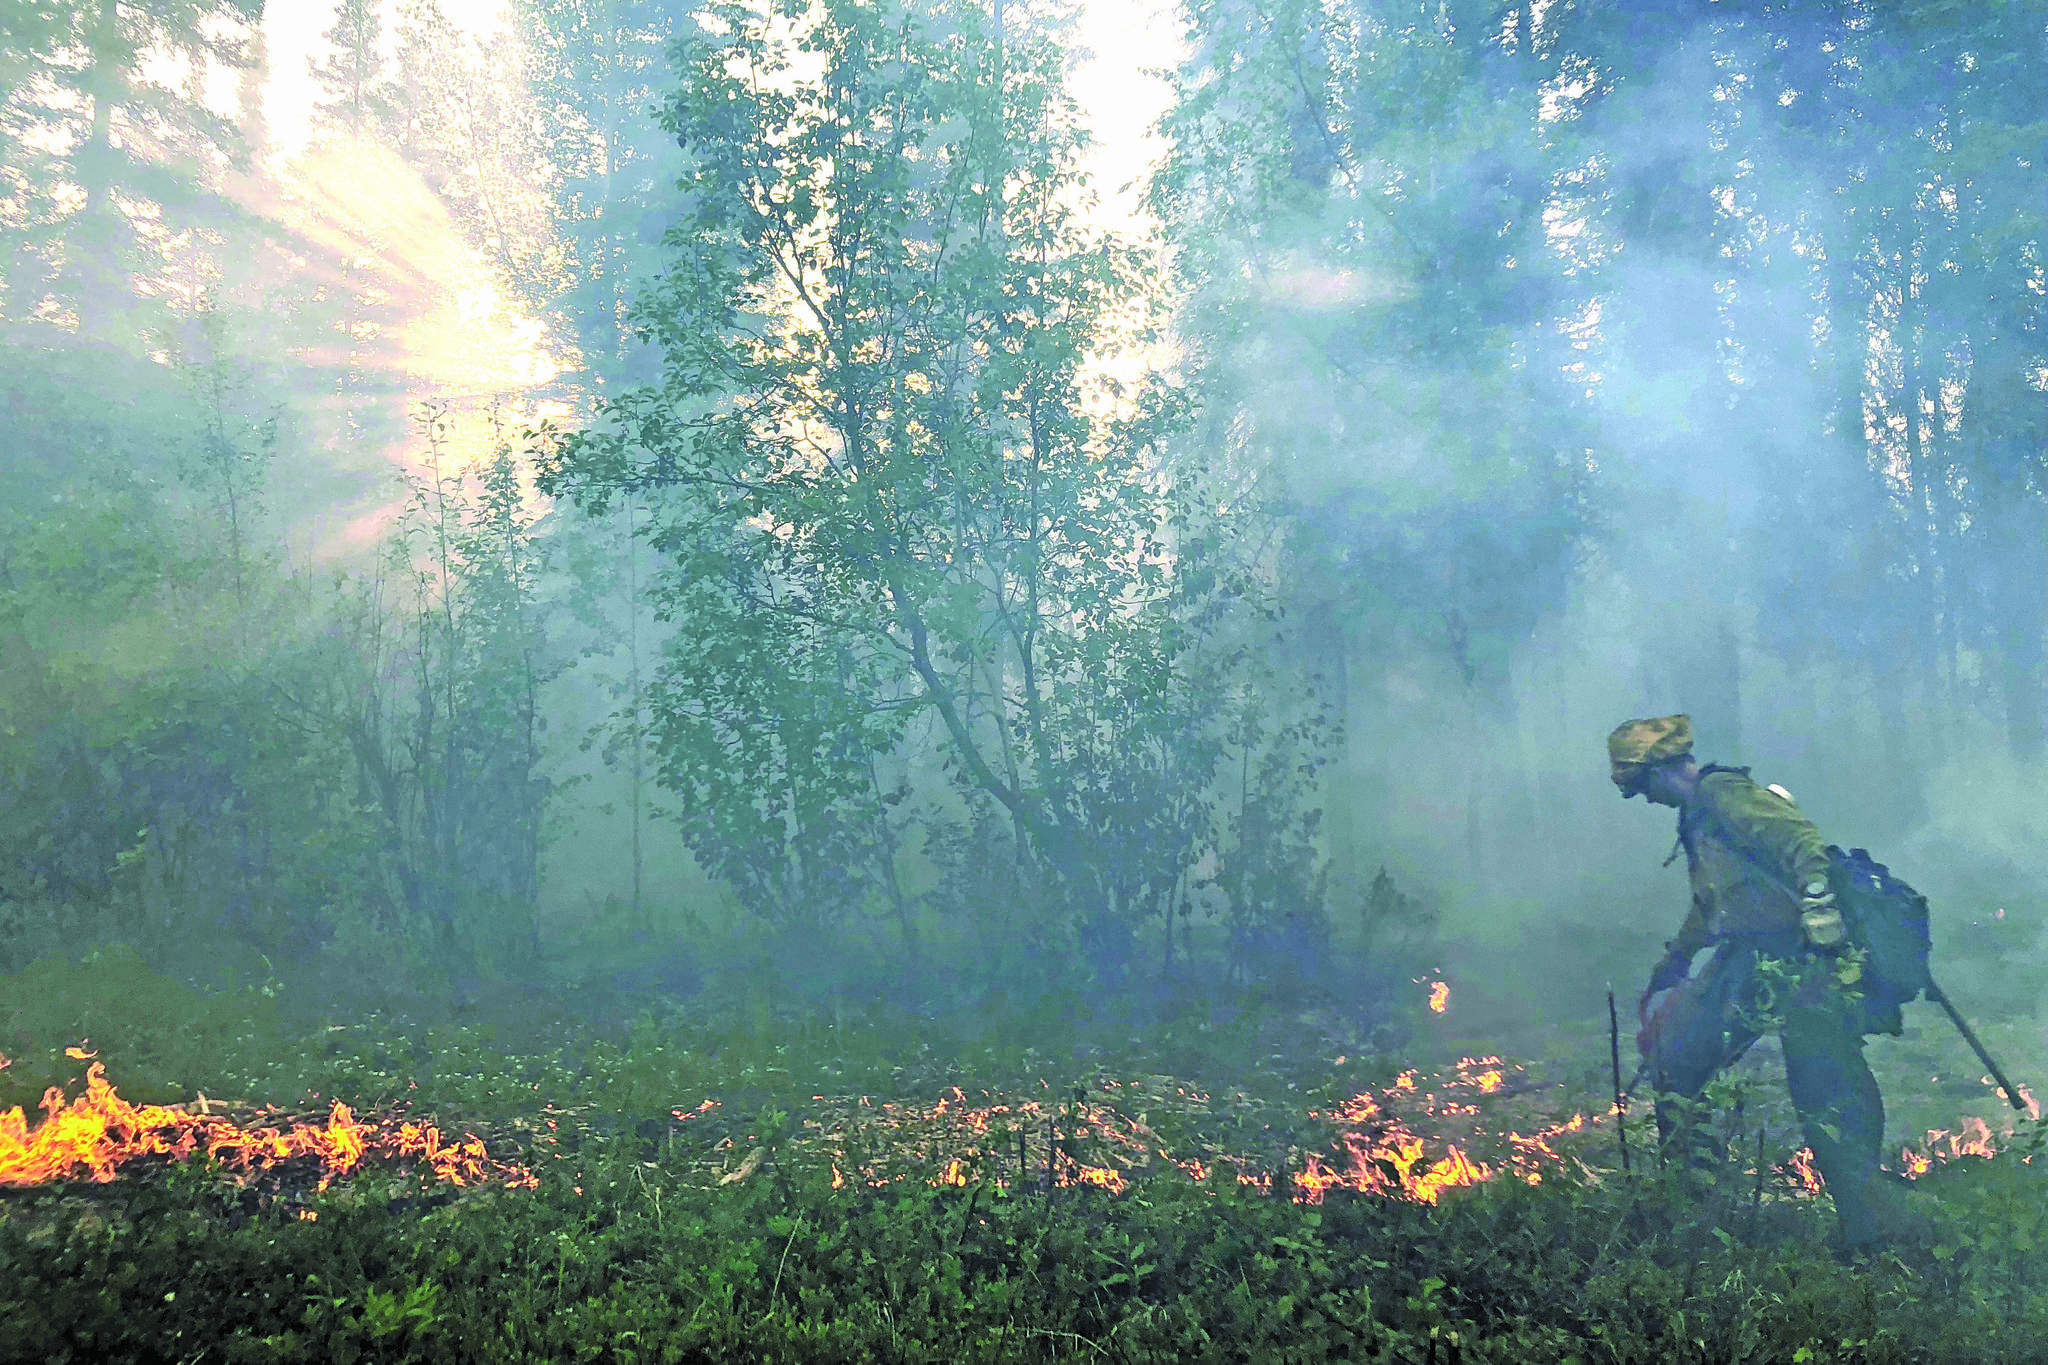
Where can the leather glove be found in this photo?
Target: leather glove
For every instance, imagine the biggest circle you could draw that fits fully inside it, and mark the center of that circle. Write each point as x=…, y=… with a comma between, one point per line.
x=1819, y=921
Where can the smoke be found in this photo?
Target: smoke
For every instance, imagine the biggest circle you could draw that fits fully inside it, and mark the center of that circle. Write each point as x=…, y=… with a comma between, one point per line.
x=1732, y=563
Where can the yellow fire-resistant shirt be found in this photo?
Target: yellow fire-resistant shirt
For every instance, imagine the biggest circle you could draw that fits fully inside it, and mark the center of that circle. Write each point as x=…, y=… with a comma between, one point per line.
x=1748, y=850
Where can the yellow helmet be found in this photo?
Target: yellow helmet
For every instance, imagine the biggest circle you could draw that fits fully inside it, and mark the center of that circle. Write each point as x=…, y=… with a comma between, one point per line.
x=1638, y=745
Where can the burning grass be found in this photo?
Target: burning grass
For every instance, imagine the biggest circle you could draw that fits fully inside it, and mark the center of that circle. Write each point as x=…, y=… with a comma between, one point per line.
x=94, y=1136
x=673, y=1200
x=1973, y=1137
x=1413, y=1139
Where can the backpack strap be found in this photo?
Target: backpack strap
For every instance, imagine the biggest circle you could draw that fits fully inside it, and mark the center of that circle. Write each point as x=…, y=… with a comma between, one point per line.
x=1708, y=816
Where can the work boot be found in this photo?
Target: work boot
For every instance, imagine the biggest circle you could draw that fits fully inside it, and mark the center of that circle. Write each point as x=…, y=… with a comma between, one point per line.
x=1856, y=1214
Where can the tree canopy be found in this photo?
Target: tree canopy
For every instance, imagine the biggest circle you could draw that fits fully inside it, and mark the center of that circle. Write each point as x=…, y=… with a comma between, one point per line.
x=1503, y=366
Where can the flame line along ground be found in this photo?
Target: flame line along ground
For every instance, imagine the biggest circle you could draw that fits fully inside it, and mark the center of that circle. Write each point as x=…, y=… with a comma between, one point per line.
x=94, y=1135
x=1383, y=1144
x=1384, y=1147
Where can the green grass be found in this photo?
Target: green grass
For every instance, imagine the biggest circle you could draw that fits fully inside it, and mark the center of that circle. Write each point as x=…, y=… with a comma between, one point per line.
x=625, y=1252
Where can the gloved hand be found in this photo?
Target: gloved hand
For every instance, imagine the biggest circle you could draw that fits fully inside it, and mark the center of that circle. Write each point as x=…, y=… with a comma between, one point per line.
x=1668, y=973
x=1819, y=921
x=1673, y=969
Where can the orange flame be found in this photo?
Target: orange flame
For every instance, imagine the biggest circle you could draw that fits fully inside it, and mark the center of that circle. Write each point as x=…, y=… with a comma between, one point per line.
x=1439, y=996
x=1414, y=1138
x=1393, y=1165
x=1388, y=1157
x=1803, y=1172
x=1972, y=1137
x=95, y=1134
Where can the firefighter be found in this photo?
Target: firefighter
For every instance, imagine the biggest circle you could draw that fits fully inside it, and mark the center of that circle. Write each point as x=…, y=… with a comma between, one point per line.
x=1781, y=960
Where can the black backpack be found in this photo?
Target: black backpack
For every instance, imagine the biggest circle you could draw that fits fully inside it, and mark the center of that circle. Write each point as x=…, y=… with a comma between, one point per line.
x=1883, y=916
x=1888, y=920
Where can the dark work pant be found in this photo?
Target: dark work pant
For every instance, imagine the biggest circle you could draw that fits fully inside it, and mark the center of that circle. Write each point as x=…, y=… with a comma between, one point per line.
x=1840, y=1109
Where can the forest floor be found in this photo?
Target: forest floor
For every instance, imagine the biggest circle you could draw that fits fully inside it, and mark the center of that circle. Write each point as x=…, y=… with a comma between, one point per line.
x=1065, y=1183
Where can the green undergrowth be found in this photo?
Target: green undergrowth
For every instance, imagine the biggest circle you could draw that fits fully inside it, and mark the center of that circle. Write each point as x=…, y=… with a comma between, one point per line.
x=624, y=1252
x=613, y=1260
x=163, y=1041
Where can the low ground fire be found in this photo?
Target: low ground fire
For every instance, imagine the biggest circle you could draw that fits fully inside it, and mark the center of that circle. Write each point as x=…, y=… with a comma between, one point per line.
x=1413, y=1138
x=95, y=1135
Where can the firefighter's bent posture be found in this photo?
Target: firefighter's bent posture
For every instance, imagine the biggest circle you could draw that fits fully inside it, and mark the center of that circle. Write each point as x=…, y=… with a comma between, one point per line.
x=1760, y=900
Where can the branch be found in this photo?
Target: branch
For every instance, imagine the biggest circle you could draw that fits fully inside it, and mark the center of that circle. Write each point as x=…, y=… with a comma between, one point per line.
x=941, y=697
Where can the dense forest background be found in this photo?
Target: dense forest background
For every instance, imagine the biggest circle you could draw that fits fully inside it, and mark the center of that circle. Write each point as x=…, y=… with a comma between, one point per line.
x=649, y=493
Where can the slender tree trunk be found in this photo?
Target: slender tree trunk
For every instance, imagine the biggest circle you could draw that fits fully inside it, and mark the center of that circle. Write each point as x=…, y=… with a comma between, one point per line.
x=610, y=250
x=637, y=736
x=2025, y=723
x=1922, y=511
x=255, y=127
x=1330, y=659
x=97, y=268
